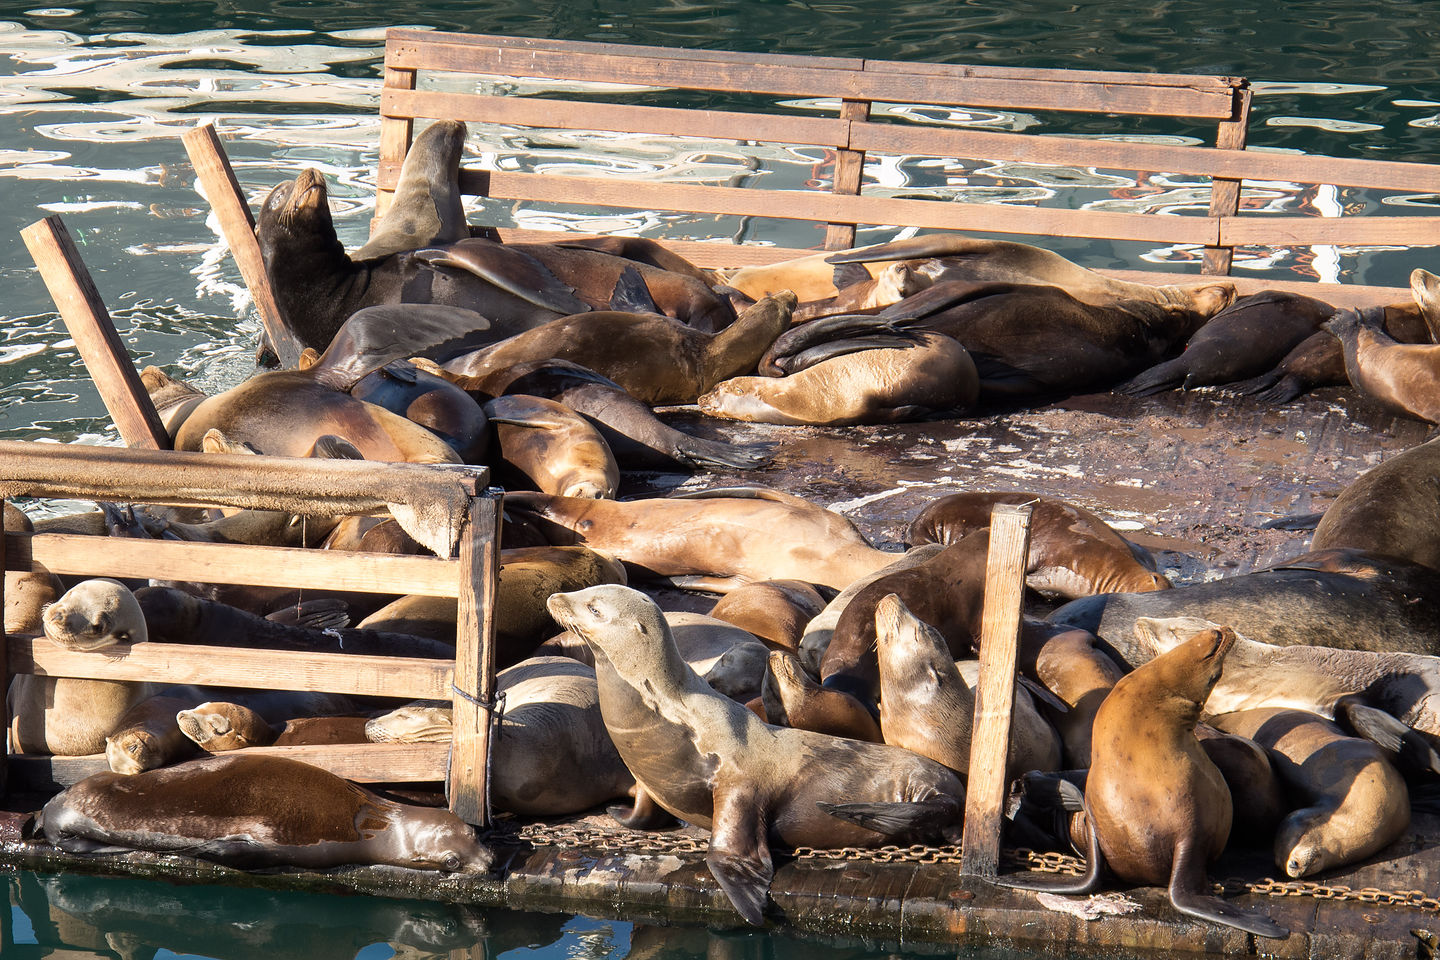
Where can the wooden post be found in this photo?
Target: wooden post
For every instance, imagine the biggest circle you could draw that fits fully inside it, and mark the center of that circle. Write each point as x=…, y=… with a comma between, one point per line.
x=4, y=666
x=396, y=134
x=1225, y=194
x=474, y=693
x=85, y=316
x=995, y=693
x=849, y=166
x=237, y=224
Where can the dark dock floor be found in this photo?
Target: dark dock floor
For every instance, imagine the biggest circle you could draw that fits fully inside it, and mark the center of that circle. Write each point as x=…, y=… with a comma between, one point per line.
x=1192, y=476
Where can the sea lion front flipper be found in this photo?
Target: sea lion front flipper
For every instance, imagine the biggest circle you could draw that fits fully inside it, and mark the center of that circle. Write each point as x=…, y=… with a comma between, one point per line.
x=1187, y=879
x=631, y=294
x=920, y=817
x=517, y=273
x=643, y=814
x=1089, y=882
x=321, y=613
x=376, y=335
x=848, y=274
x=699, y=452
x=1411, y=752
x=739, y=856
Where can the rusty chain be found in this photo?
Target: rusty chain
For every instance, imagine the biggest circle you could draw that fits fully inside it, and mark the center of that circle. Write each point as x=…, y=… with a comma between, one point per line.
x=614, y=840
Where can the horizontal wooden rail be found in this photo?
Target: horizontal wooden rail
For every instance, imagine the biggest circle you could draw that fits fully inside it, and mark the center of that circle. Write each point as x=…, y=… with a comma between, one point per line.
x=404, y=677
x=1264, y=230
x=365, y=762
x=235, y=563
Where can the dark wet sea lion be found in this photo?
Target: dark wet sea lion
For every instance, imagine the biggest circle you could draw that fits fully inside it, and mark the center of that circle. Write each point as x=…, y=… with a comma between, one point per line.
x=427, y=206
x=1073, y=553
x=431, y=401
x=929, y=376
x=1392, y=509
x=776, y=611
x=318, y=286
x=638, y=438
x=1402, y=376
x=715, y=541
x=1157, y=807
x=654, y=358
x=551, y=447
x=1356, y=803
x=1244, y=340
x=253, y=812
x=641, y=250
x=709, y=761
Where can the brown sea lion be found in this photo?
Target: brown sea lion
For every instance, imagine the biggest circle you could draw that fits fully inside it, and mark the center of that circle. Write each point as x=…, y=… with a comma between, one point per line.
x=1073, y=553
x=1389, y=510
x=422, y=721
x=219, y=725
x=927, y=704
x=427, y=207
x=431, y=401
x=1402, y=376
x=1070, y=666
x=552, y=447
x=253, y=812
x=371, y=535
x=173, y=399
x=713, y=541
x=709, y=761
x=655, y=359
x=930, y=375
x=1157, y=807
x=790, y=697
x=1256, y=791
x=776, y=611
x=1356, y=803
x=148, y=737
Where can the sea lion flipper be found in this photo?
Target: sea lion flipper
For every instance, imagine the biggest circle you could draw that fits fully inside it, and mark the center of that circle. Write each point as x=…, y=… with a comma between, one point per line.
x=517, y=273
x=848, y=274
x=1187, y=879
x=699, y=452
x=1411, y=752
x=739, y=856
x=913, y=248
x=644, y=814
x=926, y=817
x=376, y=335
x=1088, y=882
x=631, y=294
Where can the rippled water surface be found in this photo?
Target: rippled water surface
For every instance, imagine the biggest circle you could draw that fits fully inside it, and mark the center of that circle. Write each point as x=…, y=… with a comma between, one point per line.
x=94, y=96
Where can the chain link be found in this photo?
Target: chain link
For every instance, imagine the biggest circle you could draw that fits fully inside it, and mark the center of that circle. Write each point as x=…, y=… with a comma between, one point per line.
x=605, y=839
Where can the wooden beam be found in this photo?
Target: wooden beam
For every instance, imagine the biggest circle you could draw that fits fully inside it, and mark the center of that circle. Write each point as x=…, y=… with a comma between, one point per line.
x=995, y=692
x=396, y=133
x=85, y=316
x=1225, y=192
x=849, y=169
x=474, y=692
x=220, y=187
x=4, y=664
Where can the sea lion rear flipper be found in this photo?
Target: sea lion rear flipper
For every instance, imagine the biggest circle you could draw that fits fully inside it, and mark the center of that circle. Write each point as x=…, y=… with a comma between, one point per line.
x=924, y=817
x=1411, y=752
x=1089, y=882
x=517, y=273
x=321, y=613
x=700, y=452
x=1162, y=376
x=739, y=856
x=1187, y=878
x=374, y=336
x=631, y=294
x=1297, y=521
x=644, y=814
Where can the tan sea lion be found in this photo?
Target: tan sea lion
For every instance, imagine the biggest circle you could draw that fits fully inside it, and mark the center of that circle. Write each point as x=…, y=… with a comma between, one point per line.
x=930, y=375
x=427, y=206
x=776, y=611
x=1070, y=666
x=714, y=540
x=1391, y=509
x=173, y=399
x=1356, y=802
x=1157, y=807
x=423, y=721
x=148, y=737
x=254, y=812
x=219, y=725
x=1073, y=553
x=790, y=697
x=656, y=359
x=703, y=642
x=809, y=277
x=1402, y=376
x=1256, y=791
x=866, y=292
x=552, y=447
x=711, y=762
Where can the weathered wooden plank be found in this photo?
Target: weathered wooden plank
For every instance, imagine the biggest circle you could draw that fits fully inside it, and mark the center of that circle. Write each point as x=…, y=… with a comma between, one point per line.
x=849, y=171
x=226, y=666
x=703, y=253
x=829, y=208
x=1208, y=83
x=336, y=570
x=1345, y=231
x=621, y=118
x=1340, y=294
x=237, y=224
x=4, y=660
x=995, y=692
x=85, y=316
x=473, y=695
x=1225, y=192
x=1068, y=95
x=396, y=135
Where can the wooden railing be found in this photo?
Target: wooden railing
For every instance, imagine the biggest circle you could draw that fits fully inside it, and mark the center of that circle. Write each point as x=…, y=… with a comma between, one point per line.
x=852, y=134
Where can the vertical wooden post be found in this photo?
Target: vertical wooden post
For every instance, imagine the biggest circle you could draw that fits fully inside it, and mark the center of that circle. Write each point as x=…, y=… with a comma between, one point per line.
x=474, y=694
x=995, y=693
x=4, y=667
x=89, y=323
x=849, y=166
x=396, y=134
x=1225, y=194
x=237, y=224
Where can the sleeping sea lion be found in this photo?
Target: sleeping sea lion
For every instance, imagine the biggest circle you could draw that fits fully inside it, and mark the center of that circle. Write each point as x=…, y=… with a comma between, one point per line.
x=776, y=611
x=792, y=698
x=219, y=725
x=1389, y=510
x=552, y=447
x=431, y=401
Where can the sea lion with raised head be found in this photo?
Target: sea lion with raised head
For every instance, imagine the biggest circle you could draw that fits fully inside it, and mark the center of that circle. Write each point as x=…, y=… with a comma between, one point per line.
x=710, y=761
x=792, y=698
x=1157, y=807
x=254, y=812
x=1402, y=376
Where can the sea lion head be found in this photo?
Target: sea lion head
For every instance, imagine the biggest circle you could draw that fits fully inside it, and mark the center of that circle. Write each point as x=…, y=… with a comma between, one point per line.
x=914, y=659
x=295, y=216
x=133, y=751
x=433, y=838
x=95, y=614
x=218, y=726
x=619, y=623
x=1190, y=670
x=424, y=721
x=739, y=671
x=1300, y=842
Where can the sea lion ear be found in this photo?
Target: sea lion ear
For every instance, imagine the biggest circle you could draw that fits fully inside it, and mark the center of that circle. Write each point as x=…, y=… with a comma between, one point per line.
x=218, y=725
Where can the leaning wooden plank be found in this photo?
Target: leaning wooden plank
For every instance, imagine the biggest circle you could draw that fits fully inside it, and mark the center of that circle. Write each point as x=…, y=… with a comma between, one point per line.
x=222, y=190
x=830, y=208
x=89, y=323
x=226, y=666
x=337, y=570
x=995, y=692
x=610, y=117
x=473, y=695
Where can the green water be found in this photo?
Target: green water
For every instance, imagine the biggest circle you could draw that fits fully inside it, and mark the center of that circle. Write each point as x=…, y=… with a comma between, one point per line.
x=94, y=96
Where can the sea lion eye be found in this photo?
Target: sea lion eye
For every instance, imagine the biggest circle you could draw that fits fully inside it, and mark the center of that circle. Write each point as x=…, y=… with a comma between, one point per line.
x=451, y=862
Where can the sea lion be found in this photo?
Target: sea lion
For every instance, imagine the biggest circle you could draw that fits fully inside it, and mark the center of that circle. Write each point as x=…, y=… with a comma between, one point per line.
x=148, y=737
x=173, y=399
x=1389, y=510
x=1356, y=803
x=776, y=611
x=929, y=376
x=422, y=721
x=528, y=575
x=1255, y=787
x=1244, y=340
x=863, y=292
x=318, y=286
x=431, y=401
x=427, y=207
x=709, y=761
x=655, y=359
x=1157, y=807
x=371, y=535
x=810, y=277
x=219, y=725
x=638, y=438
x=791, y=698
x=552, y=447
x=1402, y=376
x=715, y=541
x=254, y=812
x=927, y=705
x=1073, y=553
x=1070, y=666
x=703, y=643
